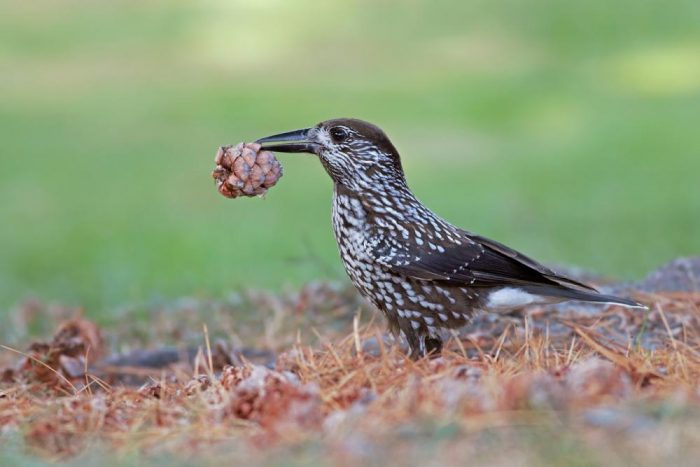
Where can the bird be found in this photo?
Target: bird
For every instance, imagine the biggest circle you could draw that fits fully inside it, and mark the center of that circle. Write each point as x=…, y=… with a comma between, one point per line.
x=423, y=273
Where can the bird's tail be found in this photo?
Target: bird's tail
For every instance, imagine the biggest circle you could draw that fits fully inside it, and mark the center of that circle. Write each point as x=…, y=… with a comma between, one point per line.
x=566, y=293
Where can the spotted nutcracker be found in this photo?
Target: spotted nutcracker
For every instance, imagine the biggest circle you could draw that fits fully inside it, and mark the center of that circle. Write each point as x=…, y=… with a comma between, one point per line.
x=421, y=271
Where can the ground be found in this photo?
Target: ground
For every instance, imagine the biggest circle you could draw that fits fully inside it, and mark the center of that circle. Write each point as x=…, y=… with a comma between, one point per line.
x=312, y=378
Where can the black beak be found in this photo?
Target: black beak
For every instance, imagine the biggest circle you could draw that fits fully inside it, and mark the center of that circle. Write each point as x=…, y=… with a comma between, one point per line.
x=292, y=141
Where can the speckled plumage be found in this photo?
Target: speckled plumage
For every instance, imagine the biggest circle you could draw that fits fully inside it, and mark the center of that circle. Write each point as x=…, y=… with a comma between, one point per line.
x=423, y=273
x=377, y=246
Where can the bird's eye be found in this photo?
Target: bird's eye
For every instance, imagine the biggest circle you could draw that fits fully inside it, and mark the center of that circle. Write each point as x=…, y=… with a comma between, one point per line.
x=339, y=134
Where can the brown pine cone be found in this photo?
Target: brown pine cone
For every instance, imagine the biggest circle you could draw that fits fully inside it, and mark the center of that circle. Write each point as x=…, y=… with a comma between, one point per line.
x=245, y=170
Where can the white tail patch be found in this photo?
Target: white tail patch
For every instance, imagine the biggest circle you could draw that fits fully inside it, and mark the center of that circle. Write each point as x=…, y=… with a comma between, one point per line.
x=509, y=298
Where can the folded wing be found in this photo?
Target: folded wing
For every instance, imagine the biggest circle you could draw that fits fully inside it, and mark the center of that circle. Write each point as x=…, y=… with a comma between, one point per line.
x=477, y=262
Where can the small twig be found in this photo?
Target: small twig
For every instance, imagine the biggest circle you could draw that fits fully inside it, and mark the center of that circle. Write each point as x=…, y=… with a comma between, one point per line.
x=502, y=340
x=455, y=336
x=677, y=354
x=85, y=371
x=36, y=360
x=570, y=355
x=210, y=360
x=356, y=332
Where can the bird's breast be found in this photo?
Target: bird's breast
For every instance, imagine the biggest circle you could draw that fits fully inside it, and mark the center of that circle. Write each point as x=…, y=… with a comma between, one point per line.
x=360, y=234
x=350, y=227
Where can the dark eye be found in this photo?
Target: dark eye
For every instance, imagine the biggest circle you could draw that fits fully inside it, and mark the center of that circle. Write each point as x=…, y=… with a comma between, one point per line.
x=339, y=134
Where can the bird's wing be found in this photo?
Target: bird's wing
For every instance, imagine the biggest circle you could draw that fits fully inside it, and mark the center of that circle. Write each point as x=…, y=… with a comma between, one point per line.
x=477, y=261
x=530, y=263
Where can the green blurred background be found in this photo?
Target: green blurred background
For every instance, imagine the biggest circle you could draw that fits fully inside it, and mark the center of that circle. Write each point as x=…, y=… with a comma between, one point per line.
x=569, y=130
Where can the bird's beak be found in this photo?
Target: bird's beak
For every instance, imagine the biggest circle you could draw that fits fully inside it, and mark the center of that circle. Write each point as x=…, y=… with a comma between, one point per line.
x=292, y=141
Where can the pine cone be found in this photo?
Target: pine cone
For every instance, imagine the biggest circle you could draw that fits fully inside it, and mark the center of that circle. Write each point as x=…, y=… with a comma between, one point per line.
x=245, y=170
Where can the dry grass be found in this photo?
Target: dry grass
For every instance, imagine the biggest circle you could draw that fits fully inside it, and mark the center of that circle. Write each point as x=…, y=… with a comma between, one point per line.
x=571, y=386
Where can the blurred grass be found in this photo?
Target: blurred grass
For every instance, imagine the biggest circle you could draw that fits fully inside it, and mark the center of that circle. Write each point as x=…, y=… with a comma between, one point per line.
x=568, y=131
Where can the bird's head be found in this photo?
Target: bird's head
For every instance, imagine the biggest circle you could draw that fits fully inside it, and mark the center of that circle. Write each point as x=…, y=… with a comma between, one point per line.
x=356, y=154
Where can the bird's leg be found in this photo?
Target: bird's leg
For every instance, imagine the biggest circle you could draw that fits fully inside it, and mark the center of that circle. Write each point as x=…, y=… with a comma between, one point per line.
x=433, y=346
x=423, y=345
x=416, y=344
